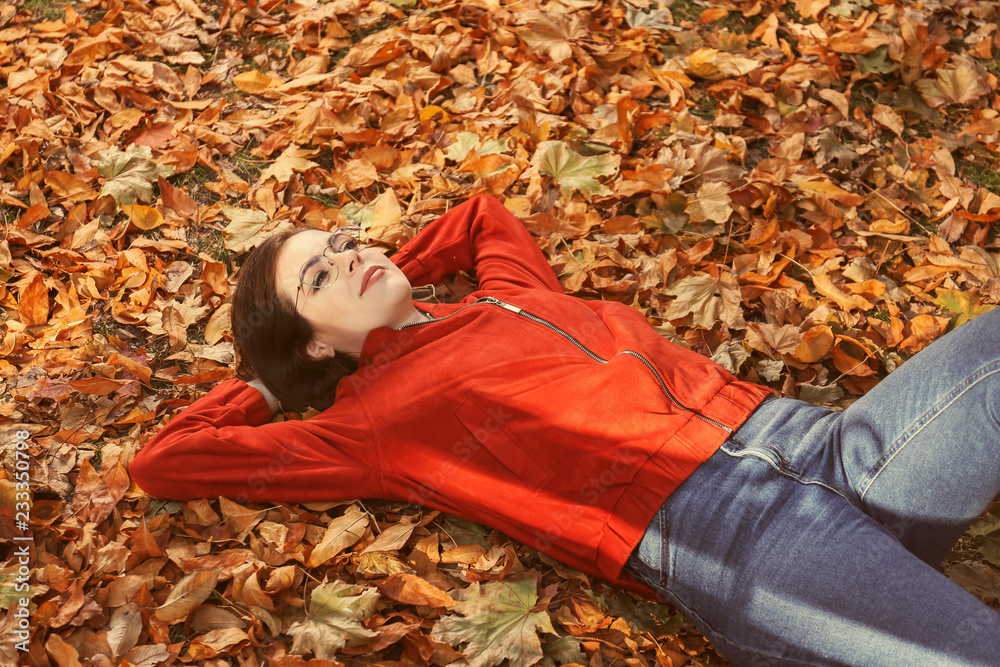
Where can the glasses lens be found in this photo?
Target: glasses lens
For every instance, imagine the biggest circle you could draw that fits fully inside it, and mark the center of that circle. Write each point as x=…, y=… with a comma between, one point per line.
x=348, y=237
x=318, y=272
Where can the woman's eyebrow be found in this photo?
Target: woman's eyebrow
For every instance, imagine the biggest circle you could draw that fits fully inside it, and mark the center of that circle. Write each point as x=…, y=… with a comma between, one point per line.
x=309, y=263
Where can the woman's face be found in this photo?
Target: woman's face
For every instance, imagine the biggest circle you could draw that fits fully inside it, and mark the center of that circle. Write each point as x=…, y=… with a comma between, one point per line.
x=368, y=292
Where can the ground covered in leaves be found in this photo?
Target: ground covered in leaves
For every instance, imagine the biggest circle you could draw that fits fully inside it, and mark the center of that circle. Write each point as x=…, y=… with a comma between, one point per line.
x=807, y=192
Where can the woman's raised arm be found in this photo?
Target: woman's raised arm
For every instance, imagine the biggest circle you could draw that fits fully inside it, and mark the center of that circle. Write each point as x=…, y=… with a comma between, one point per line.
x=223, y=444
x=479, y=234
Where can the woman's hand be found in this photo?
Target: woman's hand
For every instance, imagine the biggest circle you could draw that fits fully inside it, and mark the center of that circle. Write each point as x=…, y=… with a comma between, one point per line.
x=272, y=401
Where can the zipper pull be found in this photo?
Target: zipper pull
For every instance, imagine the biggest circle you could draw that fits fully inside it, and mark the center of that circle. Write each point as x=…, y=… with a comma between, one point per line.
x=506, y=306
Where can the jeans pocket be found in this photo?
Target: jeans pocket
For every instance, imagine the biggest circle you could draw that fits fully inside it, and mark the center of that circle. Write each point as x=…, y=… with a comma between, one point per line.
x=652, y=550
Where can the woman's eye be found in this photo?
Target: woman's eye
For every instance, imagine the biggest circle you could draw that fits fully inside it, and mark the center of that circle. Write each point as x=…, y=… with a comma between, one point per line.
x=319, y=280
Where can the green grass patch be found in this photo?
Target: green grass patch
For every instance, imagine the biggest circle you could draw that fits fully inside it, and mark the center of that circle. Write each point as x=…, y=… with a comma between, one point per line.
x=209, y=241
x=735, y=22
x=246, y=166
x=193, y=181
x=45, y=10
x=981, y=166
x=864, y=94
x=686, y=10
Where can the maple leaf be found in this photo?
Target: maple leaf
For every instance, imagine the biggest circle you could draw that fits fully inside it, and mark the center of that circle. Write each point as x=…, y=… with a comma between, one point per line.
x=463, y=143
x=695, y=296
x=654, y=19
x=964, y=304
x=247, y=228
x=958, y=85
x=293, y=159
x=497, y=623
x=988, y=528
x=572, y=171
x=130, y=173
x=336, y=610
x=551, y=34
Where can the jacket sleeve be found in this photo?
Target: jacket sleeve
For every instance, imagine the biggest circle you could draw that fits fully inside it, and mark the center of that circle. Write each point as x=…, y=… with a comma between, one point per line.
x=223, y=444
x=479, y=234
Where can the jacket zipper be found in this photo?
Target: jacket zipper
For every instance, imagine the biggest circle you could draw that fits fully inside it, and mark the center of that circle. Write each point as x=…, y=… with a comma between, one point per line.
x=583, y=348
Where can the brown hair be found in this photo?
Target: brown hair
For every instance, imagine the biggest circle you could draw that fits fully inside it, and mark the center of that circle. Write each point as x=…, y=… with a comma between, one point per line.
x=271, y=336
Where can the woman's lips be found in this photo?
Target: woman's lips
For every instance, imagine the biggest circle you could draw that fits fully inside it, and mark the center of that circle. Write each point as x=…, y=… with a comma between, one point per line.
x=370, y=276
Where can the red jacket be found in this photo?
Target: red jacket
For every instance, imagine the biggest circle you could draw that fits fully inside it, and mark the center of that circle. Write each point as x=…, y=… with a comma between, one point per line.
x=562, y=422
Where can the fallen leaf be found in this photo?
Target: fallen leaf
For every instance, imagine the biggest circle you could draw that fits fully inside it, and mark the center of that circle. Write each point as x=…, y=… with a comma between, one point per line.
x=186, y=594
x=497, y=623
x=334, y=614
x=572, y=171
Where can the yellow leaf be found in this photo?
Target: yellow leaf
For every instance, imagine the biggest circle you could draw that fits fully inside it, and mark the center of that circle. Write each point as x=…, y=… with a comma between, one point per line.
x=431, y=112
x=143, y=217
x=253, y=82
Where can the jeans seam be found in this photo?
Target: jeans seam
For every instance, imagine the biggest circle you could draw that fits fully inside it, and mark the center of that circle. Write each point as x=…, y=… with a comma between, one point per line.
x=785, y=470
x=919, y=425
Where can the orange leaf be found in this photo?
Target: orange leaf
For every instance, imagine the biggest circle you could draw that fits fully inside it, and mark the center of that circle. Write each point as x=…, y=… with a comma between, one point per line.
x=34, y=213
x=253, y=594
x=63, y=653
x=97, y=386
x=253, y=82
x=712, y=15
x=34, y=303
x=143, y=217
x=411, y=589
x=434, y=112
x=143, y=543
x=69, y=187
x=213, y=274
x=177, y=200
x=846, y=301
x=816, y=344
x=851, y=358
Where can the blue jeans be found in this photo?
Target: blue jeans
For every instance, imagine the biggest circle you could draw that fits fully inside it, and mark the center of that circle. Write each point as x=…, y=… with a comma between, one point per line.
x=811, y=537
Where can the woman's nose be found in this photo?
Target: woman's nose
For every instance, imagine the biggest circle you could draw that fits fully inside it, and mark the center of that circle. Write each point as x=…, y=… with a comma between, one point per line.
x=349, y=261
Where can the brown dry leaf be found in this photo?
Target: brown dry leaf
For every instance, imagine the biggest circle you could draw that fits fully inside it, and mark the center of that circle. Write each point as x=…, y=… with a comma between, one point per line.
x=958, y=85
x=341, y=533
x=186, y=594
x=886, y=117
x=124, y=629
x=411, y=589
x=551, y=34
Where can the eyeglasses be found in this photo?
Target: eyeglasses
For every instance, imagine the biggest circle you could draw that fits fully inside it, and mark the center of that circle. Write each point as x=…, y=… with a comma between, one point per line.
x=321, y=271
